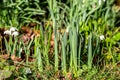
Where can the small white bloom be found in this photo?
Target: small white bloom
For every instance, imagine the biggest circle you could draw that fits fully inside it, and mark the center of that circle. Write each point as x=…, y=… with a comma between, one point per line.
x=15, y=33
x=102, y=37
x=28, y=71
x=13, y=29
x=7, y=32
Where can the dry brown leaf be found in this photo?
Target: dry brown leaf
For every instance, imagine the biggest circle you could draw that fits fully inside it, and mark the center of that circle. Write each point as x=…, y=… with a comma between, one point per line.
x=69, y=75
x=52, y=36
x=13, y=57
x=52, y=43
x=5, y=56
x=26, y=30
x=33, y=24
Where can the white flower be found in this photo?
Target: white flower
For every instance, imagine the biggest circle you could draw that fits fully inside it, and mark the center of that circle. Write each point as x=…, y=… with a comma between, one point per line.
x=15, y=33
x=102, y=37
x=28, y=71
x=7, y=32
x=13, y=29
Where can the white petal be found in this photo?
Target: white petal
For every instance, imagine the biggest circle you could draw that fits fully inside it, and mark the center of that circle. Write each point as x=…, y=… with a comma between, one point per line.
x=7, y=32
x=15, y=33
x=13, y=29
x=28, y=71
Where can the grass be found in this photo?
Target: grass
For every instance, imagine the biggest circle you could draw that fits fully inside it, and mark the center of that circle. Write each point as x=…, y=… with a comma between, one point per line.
x=60, y=40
